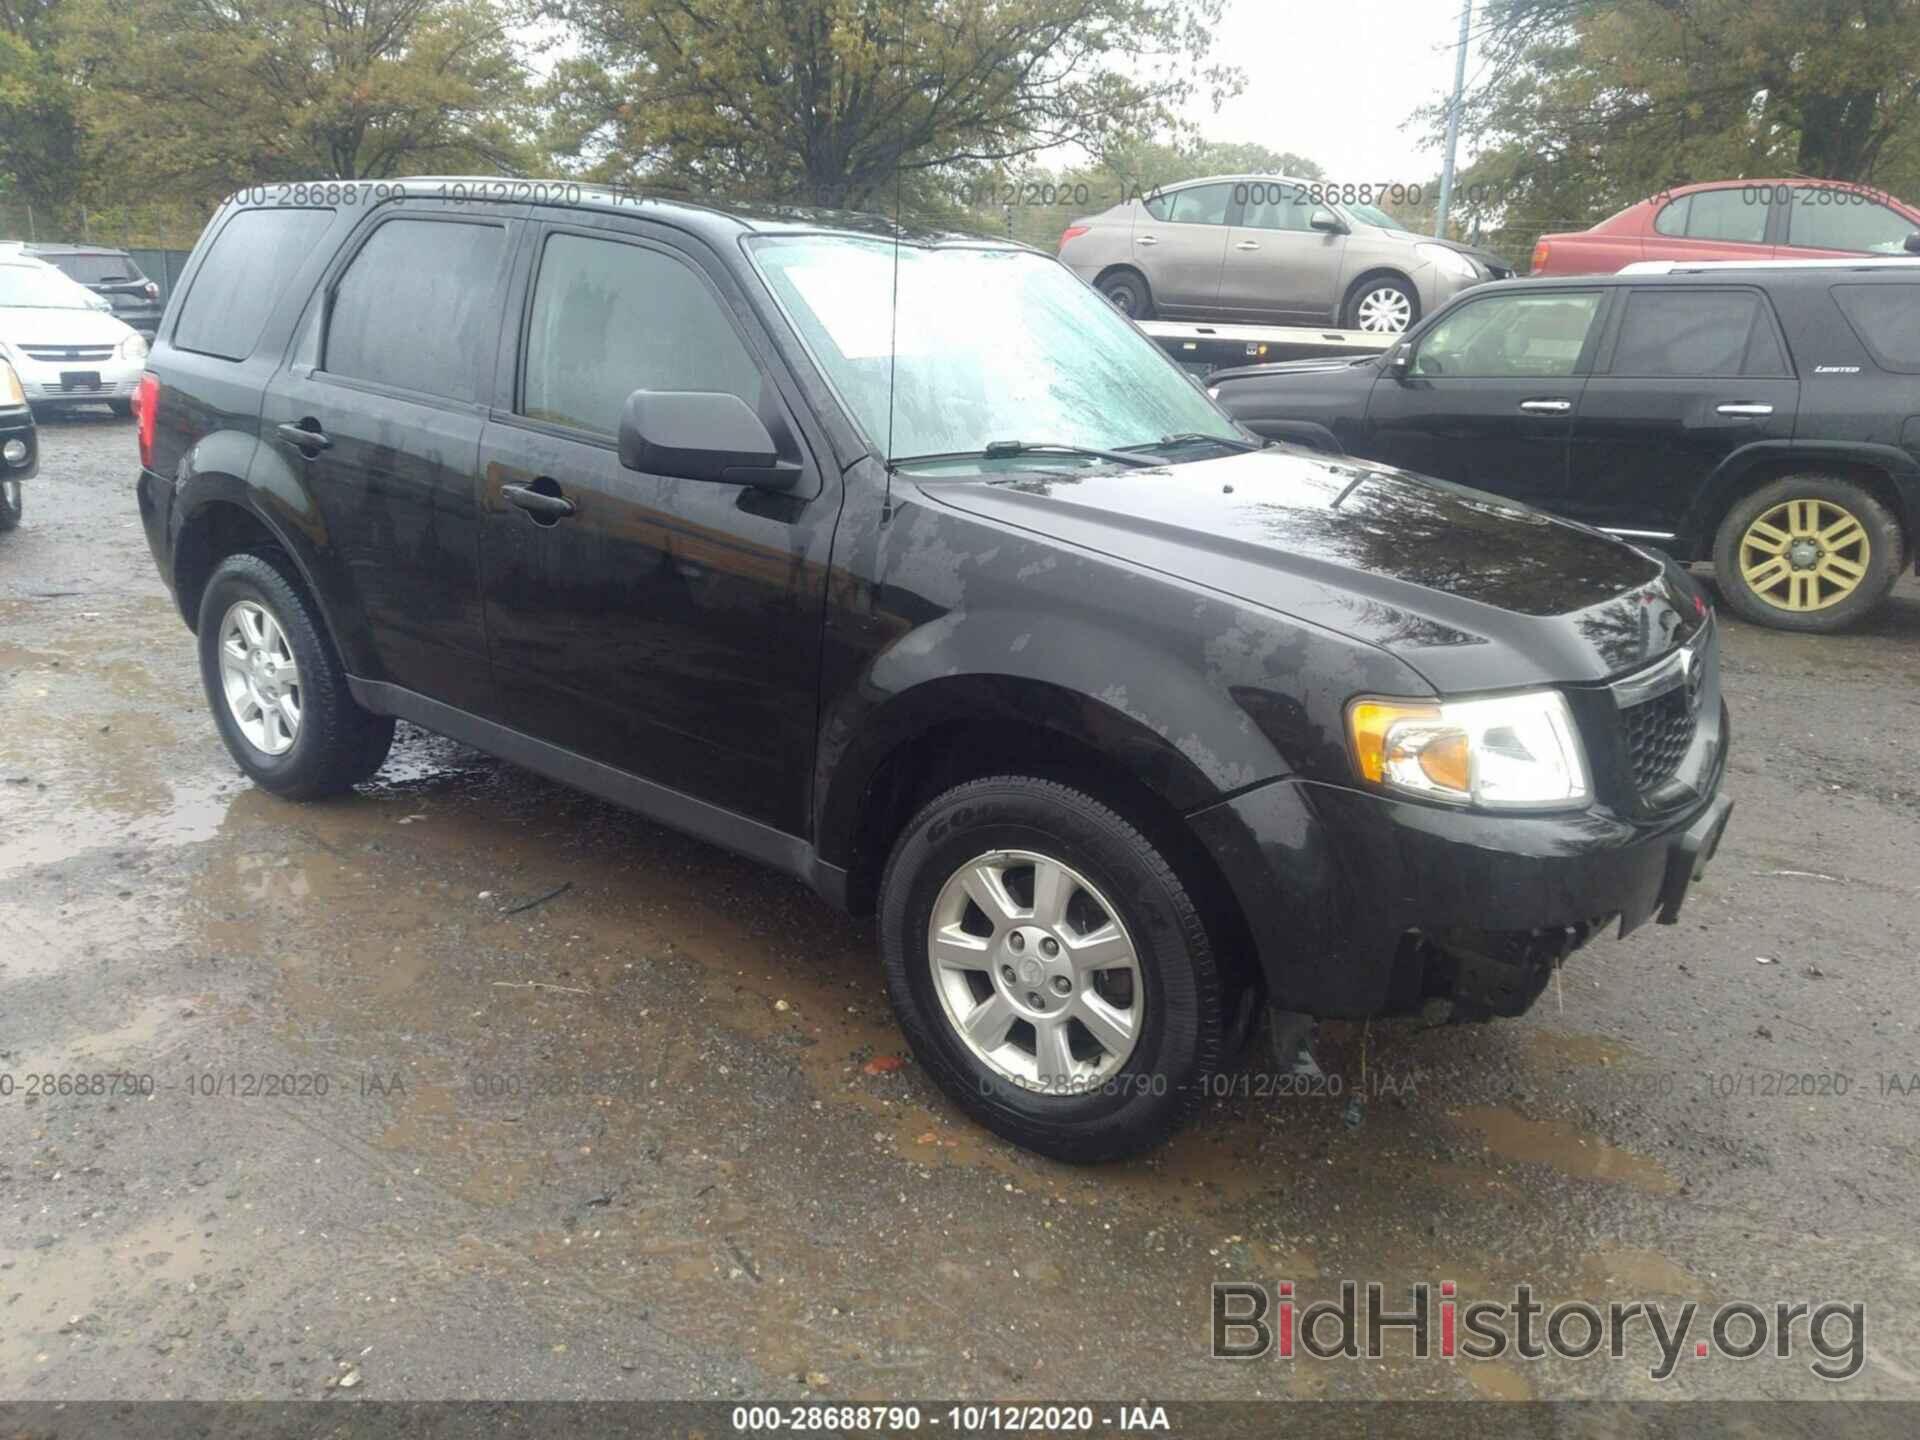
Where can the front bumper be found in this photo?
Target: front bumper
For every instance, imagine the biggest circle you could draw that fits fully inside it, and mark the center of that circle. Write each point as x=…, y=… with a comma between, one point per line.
x=52, y=383
x=16, y=423
x=1361, y=904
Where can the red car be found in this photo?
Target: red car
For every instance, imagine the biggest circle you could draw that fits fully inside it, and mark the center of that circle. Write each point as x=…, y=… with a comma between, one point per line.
x=1738, y=220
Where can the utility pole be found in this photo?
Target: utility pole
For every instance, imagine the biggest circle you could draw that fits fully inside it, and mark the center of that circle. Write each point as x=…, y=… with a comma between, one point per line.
x=1453, y=119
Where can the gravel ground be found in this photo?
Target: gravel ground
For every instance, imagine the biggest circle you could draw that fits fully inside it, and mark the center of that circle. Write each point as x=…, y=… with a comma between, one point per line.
x=649, y=1138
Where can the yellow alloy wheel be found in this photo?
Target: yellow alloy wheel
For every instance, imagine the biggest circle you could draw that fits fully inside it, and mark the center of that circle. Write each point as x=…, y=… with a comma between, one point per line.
x=1804, y=555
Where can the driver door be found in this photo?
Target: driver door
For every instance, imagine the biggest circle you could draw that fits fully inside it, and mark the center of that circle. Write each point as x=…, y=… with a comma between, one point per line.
x=1488, y=393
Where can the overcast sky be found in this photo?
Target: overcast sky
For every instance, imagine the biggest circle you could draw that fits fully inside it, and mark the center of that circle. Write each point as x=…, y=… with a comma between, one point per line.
x=1334, y=80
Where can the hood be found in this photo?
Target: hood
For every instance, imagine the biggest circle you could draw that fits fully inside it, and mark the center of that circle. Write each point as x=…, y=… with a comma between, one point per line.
x=1473, y=592
x=1318, y=365
x=23, y=325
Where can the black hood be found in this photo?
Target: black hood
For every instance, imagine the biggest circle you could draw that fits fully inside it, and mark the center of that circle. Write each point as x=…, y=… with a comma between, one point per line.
x=1499, y=266
x=1473, y=592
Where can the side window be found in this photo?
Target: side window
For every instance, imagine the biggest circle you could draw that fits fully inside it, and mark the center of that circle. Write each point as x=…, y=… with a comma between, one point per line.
x=1730, y=214
x=1887, y=320
x=240, y=279
x=1272, y=205
x=1672, y=219
x=610, y=318
x=418, y=307
x=1840, y=219
x=1691, y=332
x=1201, y=205
x=1510, y=336
x=1159, y=206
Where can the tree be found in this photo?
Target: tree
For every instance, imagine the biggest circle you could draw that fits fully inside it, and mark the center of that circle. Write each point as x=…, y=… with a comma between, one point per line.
x=850, y=102
x=39, y=136
x=231, y=93
x=1594, y=104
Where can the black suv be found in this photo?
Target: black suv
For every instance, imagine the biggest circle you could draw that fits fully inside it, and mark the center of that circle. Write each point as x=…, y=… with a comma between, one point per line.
x=976, y=612
x=1766, y=418
x=111, y=274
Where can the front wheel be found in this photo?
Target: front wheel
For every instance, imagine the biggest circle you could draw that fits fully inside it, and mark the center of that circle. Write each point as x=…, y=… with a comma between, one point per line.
x=122, y=408
x=1382, y=306
x=1808, y=552
x=12, y=505
x=276, y=687
x=1050, y=969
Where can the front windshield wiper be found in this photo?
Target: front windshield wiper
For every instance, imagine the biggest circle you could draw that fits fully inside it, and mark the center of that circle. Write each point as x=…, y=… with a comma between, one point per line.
x=1195, y=437
x=1012, y=449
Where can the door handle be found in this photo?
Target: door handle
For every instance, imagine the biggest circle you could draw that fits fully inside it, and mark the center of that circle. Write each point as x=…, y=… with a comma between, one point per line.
x=1248, y=245
x=1755, y=411
x=538, y=504
x=1145, y=240
x=1546, y=407
x=306, y=434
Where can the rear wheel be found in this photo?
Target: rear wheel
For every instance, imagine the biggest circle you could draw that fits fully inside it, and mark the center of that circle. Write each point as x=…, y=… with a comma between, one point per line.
x=1127, y=291
x=12, y=504
x=1808, y=552
x=1050, y=969
x=278, y=693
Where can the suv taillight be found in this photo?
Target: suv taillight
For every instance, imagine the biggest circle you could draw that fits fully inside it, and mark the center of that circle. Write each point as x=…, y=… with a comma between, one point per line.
x=146, y=406
x=1072, y=232
x=1540, y=250
x=153, y=291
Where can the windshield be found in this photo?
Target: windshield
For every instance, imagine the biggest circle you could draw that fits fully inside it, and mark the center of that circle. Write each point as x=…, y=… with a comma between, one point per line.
x=40, y=287
x=1372, y=215
x=988, y=346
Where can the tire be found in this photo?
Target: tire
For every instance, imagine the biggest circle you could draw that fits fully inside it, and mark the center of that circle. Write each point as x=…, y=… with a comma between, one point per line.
x=1384, y=304
x=13, y=504
x=1783, y=559
x=1112, y=1098
x=333, y=744
x=122, y=408
x=1127, y=292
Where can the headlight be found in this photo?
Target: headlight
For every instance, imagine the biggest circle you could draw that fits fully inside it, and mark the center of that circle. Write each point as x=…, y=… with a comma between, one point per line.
x=1516, y=752
x=133, y=348
x=1448, y=262
x=10, y=391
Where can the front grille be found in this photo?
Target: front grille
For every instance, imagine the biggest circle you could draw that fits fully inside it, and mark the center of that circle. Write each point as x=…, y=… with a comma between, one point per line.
x=1658, y=732
x=68, y=352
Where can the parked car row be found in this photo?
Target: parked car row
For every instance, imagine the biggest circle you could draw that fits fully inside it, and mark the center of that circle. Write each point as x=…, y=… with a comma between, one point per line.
x=1760, y=418
x=111, y=274
x=902, y=562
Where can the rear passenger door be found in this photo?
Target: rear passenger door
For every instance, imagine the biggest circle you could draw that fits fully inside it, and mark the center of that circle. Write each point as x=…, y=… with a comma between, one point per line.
x=1180, y=244
x=1688, y=376
x=668, y=627
x=379, y=410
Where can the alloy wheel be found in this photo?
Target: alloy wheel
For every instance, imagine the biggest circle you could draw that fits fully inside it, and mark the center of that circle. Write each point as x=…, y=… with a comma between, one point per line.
x=259, y=677
x=1804, y=554
x=1385, y=311
x=1036, y=973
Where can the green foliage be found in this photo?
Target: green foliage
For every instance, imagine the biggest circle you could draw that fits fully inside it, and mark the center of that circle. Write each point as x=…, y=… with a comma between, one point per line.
x=875, y=104
x=1592, y=105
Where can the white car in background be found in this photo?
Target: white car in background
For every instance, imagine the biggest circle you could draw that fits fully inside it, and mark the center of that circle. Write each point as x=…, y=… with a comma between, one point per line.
x=63, y=340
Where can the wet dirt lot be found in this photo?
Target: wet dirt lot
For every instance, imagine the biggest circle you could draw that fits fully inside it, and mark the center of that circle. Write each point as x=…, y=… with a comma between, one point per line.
x=411, y=1137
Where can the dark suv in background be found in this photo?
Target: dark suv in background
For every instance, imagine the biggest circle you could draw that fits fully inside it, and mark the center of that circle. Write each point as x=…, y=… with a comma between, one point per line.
x=111, y=274
x=1765, y=418
x=969, y=608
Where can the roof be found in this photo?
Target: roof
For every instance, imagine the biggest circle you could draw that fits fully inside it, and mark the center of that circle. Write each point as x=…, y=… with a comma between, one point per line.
x=1701, y=272
x=712, y=221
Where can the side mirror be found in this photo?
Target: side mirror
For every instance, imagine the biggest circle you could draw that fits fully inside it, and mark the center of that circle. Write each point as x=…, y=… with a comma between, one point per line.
x=1399, y=358
x=701, y=435
x=1325, y=220
x=1913, y=243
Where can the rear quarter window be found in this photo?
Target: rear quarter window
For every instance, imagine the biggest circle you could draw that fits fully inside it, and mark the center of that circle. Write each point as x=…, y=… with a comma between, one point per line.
x=1887, y=320
x=241, y=278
